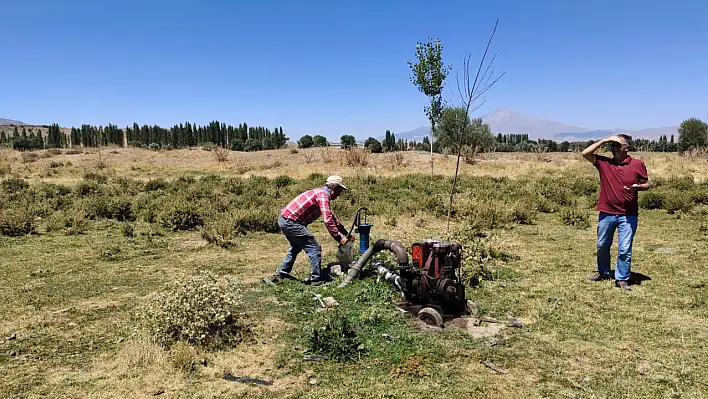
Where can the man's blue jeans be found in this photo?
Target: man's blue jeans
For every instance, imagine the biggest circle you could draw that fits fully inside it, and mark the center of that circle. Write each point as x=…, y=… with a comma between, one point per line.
x=300, y=238
x=626, y=227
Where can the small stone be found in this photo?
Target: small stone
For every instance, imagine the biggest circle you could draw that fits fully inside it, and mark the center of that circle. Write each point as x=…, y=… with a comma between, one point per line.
x=13, y=353
x=665, y=250
x=72, y=324
x=12, y=337
x=330, y=302
x=313, y=381
x=586, y=379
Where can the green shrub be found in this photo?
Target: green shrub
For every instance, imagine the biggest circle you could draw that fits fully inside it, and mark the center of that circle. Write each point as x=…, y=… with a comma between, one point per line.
x=544, y=205
x=700, y=196
x=576, y=217
x=283, y=181
x=652, y=199
x=96, y=177
x=72, y=222
x=554, y=191
x=478, y=256
x=201, y=310
x=335, y=337
x=523, y=213
x=148, y=205
x=88, y=188
x=584, y=186
x=15, y=222
x=128, y=229
x=14, y=185
x=488, y=214
x=181, y=214
x=256, y=220
x=95, y=206
x=157, y=184
x=680, y=183
x=121, y=210
x=675, y=201
x=220, y=231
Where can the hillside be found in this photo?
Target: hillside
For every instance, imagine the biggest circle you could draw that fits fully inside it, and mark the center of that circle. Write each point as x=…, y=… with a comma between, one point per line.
x=4, y=122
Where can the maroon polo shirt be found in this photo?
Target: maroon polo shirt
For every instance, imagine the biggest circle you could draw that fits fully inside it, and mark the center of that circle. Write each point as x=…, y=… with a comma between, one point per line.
x=613, y=177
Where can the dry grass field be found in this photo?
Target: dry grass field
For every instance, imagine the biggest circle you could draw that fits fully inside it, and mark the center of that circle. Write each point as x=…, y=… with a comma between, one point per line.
x=101, y=233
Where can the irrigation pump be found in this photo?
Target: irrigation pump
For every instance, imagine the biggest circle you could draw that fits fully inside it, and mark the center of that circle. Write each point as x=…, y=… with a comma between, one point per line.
x=430, y=284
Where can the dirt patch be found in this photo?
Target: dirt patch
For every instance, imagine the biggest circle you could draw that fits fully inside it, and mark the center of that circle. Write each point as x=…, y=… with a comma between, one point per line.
x=475, y=327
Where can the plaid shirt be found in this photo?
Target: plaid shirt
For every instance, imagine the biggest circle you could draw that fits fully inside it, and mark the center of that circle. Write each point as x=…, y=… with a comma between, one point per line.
x=308, y=206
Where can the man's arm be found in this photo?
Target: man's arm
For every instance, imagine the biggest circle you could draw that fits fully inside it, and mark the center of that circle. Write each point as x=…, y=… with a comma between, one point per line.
x=589, y=153
x=643, y=178
x=329, y=220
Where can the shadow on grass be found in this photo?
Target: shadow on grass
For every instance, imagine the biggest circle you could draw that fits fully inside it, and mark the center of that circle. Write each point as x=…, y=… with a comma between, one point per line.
x=634, y=277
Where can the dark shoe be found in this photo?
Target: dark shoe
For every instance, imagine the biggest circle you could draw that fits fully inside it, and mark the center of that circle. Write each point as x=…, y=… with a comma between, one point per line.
x=316, y=283
x=624, y=285
x=596, y=276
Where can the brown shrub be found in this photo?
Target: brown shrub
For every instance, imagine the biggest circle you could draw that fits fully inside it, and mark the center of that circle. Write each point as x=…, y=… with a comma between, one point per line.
x=356, y=157
x=221, y=154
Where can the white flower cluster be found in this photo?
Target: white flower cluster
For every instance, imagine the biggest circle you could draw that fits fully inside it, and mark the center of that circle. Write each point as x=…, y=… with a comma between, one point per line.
x=199, y=310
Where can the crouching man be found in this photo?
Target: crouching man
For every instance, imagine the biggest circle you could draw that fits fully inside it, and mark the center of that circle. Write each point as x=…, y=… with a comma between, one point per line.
x=621, y=177
x=297, y=215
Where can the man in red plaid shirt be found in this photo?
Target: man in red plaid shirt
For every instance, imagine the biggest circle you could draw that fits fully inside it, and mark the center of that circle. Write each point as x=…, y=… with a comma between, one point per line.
x=297, y=215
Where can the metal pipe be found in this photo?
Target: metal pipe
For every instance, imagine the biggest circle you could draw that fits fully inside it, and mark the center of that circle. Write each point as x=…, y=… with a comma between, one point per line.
x=389, y=276
x=391, y=245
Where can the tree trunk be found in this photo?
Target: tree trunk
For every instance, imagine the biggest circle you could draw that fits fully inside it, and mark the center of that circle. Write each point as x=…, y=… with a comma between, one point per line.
x=452, y=191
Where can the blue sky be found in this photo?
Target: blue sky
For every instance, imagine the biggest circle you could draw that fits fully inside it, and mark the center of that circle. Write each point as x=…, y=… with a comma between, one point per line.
x=338, y=67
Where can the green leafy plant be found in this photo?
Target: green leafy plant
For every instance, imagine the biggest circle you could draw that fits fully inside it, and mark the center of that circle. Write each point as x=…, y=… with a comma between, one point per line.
x=336, y=337
x=576, y=217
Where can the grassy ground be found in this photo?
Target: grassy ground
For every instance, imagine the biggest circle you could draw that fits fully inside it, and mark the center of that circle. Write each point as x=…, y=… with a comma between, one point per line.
x=68, y=323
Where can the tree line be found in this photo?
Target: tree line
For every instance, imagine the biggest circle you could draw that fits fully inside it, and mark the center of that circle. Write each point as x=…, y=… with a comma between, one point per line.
x=452, y=132
x=237, y=138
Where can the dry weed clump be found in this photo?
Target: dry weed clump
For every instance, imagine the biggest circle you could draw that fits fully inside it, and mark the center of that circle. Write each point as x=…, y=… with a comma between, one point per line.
x=327, y=155
x=242, y=166
x=221, y=154
x=309, y=156
x=201, y=311
x=29, y=157
x=394, y=160
x=356, y=157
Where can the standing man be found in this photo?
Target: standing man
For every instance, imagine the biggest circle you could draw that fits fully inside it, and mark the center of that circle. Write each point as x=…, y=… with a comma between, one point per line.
x=621, y=177
x=297, y=215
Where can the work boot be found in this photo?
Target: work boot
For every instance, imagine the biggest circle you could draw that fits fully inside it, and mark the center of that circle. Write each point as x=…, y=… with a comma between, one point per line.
x=624, y=285
x=596, y=276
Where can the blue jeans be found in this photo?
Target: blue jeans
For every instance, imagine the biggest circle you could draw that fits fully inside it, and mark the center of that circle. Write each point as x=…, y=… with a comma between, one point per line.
x=626, y=227
x=300, y=238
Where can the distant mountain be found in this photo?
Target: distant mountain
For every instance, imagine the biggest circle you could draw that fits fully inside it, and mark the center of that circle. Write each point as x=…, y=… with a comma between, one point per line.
x=4, y=122
x=507, y=121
